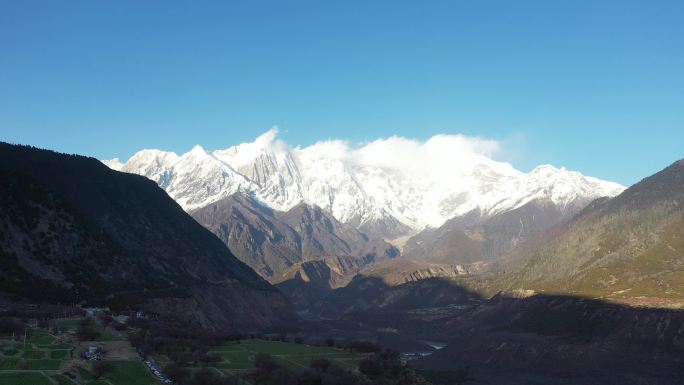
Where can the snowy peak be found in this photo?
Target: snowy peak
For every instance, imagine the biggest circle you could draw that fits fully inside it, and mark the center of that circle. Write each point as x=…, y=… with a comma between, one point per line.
x=114, y=164
x=385, y=187
x=245, y=153
x=563, y=186
x=197, y=152
x=154, y=164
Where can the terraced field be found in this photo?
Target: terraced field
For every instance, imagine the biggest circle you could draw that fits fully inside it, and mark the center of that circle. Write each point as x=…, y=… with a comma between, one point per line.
x=42, y=359
x=24, y=378
x=36, y=361
x=40, y=352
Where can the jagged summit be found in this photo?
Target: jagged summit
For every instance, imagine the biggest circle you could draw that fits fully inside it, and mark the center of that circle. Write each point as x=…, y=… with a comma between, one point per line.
x=386, y=187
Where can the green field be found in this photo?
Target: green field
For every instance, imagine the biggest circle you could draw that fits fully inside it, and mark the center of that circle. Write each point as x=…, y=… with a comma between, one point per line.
x=38, y=353
x=43, y=364
x=235, y=360
x=62, y=379
x=105, y=335
x=237, y=356
x=10, y=351
x=84, y=374
x=34, y=354
x=71, y=324
x=55, y=347
x=129, y=373
x=58, y=354
x=41, y=338
x=8, y=363
x=28, y=378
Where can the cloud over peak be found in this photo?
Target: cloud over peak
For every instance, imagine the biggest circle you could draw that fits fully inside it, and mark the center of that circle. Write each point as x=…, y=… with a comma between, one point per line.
x=417, y=182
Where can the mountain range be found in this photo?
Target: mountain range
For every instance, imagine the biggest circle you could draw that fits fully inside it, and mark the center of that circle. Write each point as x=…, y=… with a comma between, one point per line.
x=277, y=206
x=596, y=297
x=382, y=197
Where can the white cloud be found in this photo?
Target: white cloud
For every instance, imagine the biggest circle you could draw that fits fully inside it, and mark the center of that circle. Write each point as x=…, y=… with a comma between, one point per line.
x=328, y=149
x=433, y=156
x=438, y=156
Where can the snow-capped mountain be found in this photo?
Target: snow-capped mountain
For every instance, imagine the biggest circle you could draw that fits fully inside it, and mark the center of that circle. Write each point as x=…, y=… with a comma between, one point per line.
x=387, y=187
x=114, y=164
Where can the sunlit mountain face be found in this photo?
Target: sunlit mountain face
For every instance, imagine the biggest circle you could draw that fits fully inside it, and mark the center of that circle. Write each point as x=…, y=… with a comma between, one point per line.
x=386, y=188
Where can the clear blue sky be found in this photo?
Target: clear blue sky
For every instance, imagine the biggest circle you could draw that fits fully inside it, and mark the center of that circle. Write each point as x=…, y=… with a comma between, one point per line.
x=593, y=85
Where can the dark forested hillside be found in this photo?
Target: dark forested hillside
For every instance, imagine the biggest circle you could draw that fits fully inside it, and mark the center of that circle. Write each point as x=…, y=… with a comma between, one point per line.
x=73, y=230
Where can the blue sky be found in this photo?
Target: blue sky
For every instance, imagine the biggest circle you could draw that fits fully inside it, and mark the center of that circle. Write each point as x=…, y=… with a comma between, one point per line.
x=595, y=86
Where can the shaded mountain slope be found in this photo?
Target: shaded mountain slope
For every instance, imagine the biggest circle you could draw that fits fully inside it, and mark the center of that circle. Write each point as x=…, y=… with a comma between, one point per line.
x=516, y=338
x=365, y=297
x=564, y=340
x=252, y=233
x=322, y=234
x=273, y=242
x=73, y=230
x=309, y=282
x=473, y=238
x=306, y=282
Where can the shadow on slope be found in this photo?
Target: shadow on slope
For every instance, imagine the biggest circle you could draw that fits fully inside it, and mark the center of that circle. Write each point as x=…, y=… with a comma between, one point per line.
x=515, y=338
x=567, y=338
x=372, y=297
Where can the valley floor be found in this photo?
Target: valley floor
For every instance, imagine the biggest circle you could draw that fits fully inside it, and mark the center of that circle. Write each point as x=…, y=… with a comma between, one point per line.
x=56, y=357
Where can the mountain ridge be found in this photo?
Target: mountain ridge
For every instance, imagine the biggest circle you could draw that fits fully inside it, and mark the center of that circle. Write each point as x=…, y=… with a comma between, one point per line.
x=627, y=246
x=272, y=242
x=383, y=200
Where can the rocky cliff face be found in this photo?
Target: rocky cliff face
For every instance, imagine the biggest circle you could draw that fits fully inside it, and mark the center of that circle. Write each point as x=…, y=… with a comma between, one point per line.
x=74, y=230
